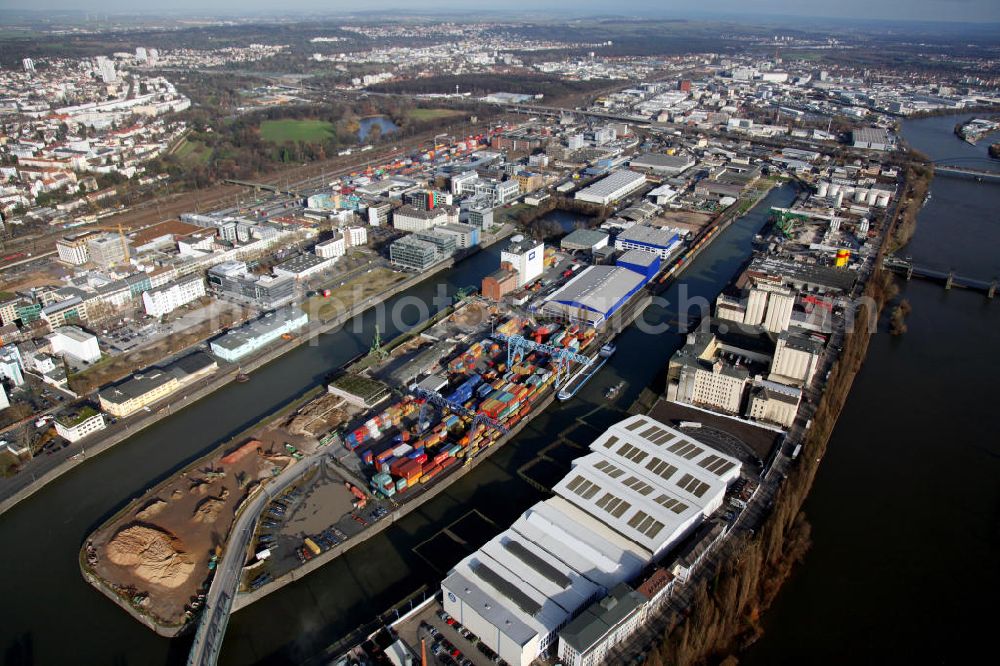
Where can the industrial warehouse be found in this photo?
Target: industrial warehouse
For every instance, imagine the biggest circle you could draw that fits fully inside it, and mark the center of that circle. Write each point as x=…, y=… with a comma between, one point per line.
x=599, y=291
x=623, y=507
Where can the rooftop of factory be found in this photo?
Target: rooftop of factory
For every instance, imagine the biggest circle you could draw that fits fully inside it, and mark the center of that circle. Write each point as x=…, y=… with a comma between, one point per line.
x=583, y=239
x=266, y=325
x=598, y=288
x=582, y=542
x=613, y=182
x=645, y=234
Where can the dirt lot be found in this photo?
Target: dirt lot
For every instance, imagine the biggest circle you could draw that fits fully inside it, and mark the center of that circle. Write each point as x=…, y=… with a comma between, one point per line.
x=683, y=219
x=344, y=298
x=157, y=551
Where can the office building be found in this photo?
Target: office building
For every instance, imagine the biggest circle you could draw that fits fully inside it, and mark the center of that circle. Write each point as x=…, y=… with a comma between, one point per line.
x=524, y=256
x=614, y=187
x=410, y=218
x=590, y=637
x=413, y=253
x=332, y=248
x=465, y=235
x=11, y=365
x=77, y=424
x=232, y=280
x=76, y=343
x=378, y=214
x=107, y=250
x=303, y=266
x=73, y=249
x=68, y=311
x=251, y=337
x=167, y=298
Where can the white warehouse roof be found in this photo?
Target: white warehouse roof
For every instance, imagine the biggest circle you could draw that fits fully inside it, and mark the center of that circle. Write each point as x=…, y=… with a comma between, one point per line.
x=535, y=566
x=492, y=586
x=582, y=542
x=691, y=468
x=618, y=494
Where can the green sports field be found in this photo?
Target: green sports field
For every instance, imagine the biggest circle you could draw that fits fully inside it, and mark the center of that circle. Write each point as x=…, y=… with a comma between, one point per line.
x=279, y=131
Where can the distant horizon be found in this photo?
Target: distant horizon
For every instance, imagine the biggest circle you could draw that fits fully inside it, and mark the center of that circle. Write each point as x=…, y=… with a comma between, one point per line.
x=974, y=12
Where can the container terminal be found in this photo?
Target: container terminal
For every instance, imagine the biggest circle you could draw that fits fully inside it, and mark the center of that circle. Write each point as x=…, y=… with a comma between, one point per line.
x=394, y=427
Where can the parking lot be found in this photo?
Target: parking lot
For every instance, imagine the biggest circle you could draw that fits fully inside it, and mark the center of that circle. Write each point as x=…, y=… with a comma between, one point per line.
x=449, y=643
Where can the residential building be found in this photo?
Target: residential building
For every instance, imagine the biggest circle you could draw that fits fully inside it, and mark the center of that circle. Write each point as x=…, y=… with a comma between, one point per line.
x=76, y=425
x=163, y=300
x=529, y=181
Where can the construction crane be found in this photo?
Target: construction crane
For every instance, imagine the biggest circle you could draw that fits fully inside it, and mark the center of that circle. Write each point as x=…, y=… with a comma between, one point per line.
x=435, y=398
x=113, y=227
x=518, y=345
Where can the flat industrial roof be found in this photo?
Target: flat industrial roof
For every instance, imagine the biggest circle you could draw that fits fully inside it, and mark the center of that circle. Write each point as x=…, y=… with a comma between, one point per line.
x=609, y=185
x=598, y=288
x=618, y=495
x=265, y=325
x=532, y=564
x=645, y=234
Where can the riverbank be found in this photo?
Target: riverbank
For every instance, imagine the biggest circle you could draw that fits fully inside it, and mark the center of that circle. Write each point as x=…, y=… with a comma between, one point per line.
x=725, y=609
x=219, y=380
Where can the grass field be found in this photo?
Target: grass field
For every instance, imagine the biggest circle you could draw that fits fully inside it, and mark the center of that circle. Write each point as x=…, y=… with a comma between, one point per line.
x=279, y=131
x=433, y=114
x=193, y=152
x=344, y=298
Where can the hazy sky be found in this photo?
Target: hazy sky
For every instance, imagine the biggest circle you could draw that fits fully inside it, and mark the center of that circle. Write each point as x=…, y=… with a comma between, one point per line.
x=933, y=10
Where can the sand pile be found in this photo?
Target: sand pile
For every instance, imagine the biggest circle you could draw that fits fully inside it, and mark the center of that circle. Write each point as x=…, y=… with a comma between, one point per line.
x=208, y=510
x=152, y=509
x=155, y=556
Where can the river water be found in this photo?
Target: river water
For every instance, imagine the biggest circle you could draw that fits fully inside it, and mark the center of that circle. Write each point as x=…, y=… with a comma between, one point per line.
x=51, y=616
x=906, y=505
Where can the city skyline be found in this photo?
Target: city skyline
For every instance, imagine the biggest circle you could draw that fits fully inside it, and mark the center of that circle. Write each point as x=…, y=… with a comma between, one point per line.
x=918, y=10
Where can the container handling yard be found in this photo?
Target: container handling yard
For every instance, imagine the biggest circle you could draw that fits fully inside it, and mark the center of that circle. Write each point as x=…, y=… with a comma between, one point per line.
x=389, y=429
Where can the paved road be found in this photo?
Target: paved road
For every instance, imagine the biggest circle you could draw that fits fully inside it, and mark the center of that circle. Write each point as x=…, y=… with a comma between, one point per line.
x=225, y=583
